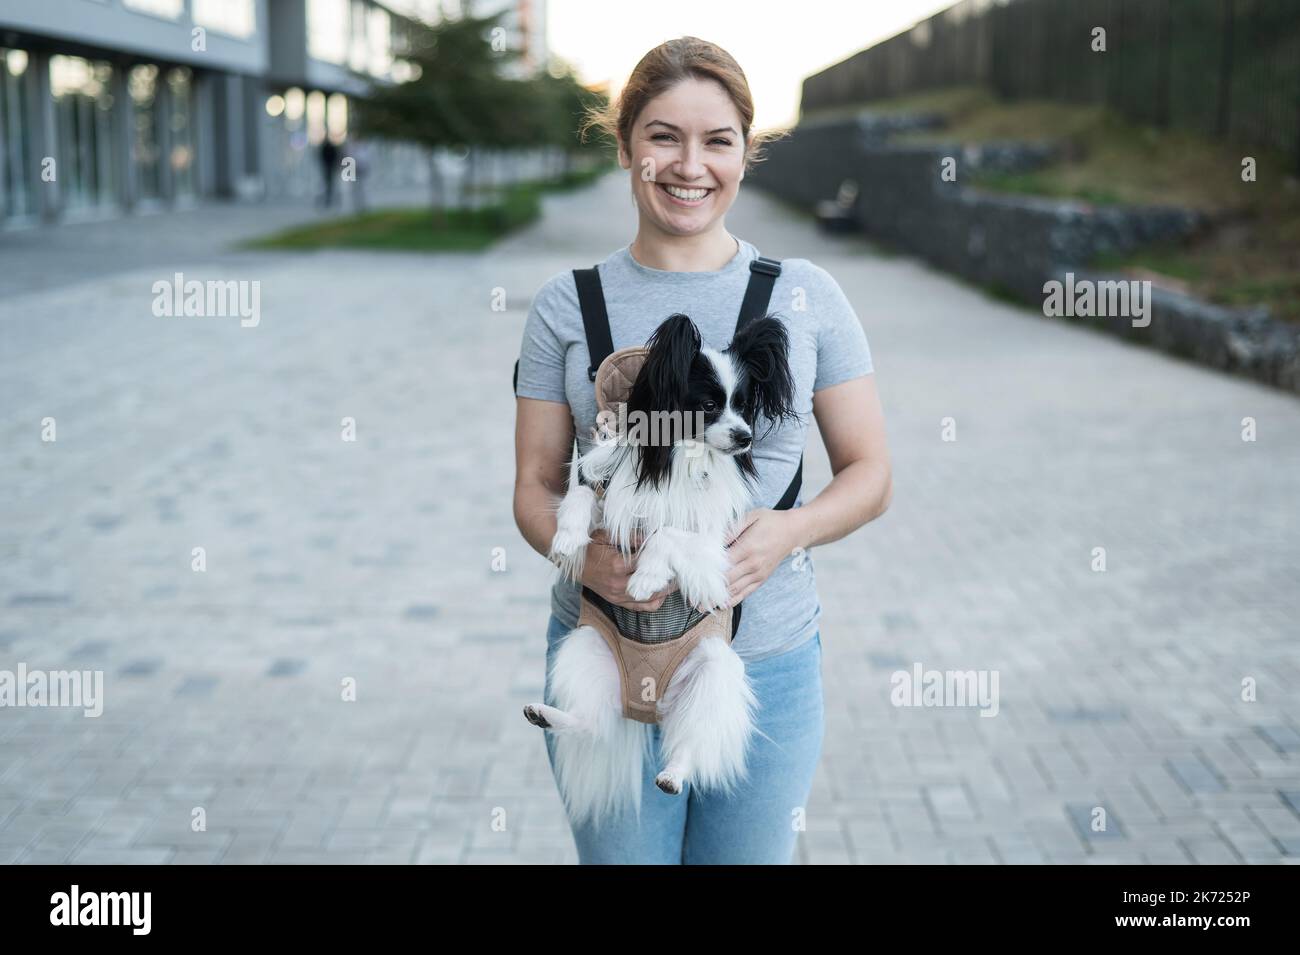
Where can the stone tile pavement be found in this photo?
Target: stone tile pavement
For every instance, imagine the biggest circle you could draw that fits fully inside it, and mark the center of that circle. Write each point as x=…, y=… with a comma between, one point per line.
x=376, y=564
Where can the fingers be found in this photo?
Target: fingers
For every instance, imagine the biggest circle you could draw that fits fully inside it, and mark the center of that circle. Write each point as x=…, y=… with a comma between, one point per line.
x=653, y=602
x=743, y=587
x=645, y=606
x=641, y=606
x=742, y=570
x=743, y=526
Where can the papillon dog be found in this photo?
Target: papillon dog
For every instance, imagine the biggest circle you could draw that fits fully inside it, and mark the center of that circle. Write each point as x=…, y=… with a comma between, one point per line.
x=672, y=503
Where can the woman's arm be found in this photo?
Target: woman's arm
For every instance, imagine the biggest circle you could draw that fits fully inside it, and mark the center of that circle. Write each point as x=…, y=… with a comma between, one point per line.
x=543, y=448
x=852, y=427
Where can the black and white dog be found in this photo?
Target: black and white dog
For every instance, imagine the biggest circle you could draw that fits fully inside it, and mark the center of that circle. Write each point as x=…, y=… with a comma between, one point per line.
x=680, y=499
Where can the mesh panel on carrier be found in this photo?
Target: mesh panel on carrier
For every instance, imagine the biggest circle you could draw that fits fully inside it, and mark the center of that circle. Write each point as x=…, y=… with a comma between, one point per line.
x=673, y=618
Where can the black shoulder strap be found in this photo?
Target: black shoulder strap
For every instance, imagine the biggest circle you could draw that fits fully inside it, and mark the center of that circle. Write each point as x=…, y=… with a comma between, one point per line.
x=763, y=273
x=762, y=277
x=595, y=320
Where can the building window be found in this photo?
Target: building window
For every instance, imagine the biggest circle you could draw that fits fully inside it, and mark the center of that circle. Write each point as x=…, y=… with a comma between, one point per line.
x=336, y=118
x=180, y=88
x=315, y=117
x=83, y=123
x=236, y=18
x=168, y=9
x=328, y=30
x=358, y=52
x=379, y=33
x=17, y=178
x=146, y=132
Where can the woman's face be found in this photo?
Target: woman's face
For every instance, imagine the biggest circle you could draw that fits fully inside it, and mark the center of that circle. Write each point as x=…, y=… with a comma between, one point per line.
x=687, y=157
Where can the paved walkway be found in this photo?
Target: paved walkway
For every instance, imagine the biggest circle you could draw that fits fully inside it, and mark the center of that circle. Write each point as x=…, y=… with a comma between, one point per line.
x=377, y=564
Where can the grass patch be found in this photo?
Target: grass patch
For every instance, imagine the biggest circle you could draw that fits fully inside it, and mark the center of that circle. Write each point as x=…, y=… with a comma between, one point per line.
x=426, y=230
x=1250, y=256
x=567, y=182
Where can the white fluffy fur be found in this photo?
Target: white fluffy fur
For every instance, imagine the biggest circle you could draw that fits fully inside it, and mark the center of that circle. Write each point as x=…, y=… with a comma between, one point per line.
x=705, y=492
x=600, y=756
x=709, y=690
x=707, y=711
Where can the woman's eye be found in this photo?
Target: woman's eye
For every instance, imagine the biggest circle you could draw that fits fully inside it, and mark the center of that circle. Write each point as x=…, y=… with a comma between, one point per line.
x=722, y=142
x=662, y=136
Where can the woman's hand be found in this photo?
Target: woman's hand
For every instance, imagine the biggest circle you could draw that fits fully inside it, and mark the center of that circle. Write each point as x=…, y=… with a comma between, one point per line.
x=606, y=571
x=763, y=539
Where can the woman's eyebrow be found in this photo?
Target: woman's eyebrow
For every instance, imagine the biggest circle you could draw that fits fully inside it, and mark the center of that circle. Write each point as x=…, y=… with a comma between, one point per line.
x=677, y=129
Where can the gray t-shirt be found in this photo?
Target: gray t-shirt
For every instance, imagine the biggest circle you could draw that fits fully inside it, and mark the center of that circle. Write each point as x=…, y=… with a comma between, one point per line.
x=827, y=347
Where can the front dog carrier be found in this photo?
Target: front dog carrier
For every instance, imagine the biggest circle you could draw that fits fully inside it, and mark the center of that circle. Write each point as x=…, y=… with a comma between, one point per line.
x=649, y=646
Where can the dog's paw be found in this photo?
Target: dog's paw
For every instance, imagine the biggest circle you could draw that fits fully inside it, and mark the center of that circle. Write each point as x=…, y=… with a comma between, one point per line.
x=707, y=594
x=669, y=783
x=645, y=583
x=567, y=542
x=534, y=715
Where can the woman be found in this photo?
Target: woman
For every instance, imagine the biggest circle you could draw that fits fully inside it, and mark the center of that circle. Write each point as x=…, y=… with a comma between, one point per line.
x=683, y=127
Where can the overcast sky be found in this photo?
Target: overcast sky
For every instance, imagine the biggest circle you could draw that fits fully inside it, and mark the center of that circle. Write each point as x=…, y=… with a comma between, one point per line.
x=776, y=42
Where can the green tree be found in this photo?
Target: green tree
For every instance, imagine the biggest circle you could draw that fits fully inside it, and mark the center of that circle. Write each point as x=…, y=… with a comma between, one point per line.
x=458, y=98
x=562, y=107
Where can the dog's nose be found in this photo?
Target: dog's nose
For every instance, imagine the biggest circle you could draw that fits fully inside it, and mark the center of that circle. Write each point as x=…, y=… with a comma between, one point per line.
x=741, y=438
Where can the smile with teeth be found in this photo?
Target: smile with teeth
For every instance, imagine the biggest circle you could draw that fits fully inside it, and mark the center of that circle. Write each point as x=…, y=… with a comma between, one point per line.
x=685, y=195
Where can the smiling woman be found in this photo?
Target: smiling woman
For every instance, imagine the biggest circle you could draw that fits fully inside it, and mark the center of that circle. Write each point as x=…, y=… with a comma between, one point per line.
x=689, y=152
x=684, y=129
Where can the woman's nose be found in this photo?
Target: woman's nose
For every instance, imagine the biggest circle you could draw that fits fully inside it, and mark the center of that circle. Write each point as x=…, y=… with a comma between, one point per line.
x=690, y=166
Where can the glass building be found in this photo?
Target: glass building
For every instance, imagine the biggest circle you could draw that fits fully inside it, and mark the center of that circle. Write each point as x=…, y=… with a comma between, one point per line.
x=117, y=106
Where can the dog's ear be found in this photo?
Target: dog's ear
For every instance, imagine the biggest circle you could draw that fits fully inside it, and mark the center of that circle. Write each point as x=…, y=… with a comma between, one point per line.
x=661, y=383
x=762, y=349
x=661, y=386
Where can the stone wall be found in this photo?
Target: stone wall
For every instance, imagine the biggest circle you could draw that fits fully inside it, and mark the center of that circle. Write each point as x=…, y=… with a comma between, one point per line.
x=1013, y=243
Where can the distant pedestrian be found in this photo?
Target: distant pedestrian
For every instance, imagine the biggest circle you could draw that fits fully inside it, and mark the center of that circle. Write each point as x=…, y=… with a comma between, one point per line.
x=329, y=159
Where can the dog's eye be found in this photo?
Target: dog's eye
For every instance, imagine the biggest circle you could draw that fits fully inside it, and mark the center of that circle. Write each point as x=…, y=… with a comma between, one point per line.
x=710, y=405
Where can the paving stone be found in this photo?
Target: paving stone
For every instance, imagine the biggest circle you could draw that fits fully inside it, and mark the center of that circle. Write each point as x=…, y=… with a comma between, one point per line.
x=370, y=561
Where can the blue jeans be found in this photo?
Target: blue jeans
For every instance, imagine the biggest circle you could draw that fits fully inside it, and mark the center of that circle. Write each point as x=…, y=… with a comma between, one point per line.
x=759, y=822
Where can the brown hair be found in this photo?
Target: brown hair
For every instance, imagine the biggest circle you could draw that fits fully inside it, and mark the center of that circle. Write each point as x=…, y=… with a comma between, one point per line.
x=663, y=68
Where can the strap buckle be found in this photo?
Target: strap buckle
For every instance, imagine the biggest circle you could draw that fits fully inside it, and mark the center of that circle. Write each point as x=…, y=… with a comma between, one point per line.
x=766, y=266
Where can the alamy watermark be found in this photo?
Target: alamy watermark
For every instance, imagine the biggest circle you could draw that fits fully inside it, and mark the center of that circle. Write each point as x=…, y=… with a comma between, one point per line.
x=926, y=688
x=1110, y=298
x=131, y=910
x=659, y=429
x=81, y=689
x=178, y=298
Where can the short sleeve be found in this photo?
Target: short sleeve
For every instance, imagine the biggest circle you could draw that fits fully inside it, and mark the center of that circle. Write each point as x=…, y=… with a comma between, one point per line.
x=541, y=353
x=842, y=350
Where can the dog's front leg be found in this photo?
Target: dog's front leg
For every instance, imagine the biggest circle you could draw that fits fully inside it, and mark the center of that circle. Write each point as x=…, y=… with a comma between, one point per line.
x=654, y=564
x=698, y=561
x=574, y=521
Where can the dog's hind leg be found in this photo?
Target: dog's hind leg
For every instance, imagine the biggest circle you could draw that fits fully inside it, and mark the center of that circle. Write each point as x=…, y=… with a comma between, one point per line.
x=585, y=685
x=599, y=756
x=549, y=718
x=707, y=718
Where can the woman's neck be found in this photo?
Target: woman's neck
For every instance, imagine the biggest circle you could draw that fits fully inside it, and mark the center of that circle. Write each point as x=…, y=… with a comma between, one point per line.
x=706, y=252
